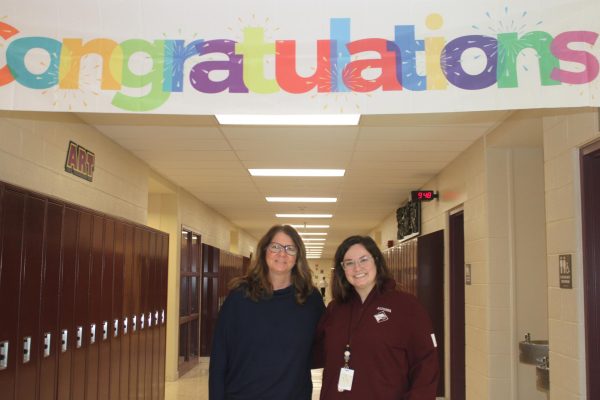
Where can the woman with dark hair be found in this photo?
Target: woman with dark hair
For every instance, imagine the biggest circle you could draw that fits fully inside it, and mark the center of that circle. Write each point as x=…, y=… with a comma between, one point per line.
x=373, y=341
x=265, y=330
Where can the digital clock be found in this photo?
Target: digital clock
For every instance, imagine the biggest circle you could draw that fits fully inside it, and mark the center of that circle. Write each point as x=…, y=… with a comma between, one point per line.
x=423, y=195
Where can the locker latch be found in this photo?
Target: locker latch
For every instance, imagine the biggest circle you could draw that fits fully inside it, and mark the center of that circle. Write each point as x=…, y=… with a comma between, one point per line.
x=79, y=336
x=125, y=321
x=3, y=354
x=134, y=323
x=142, y=319
x=156, y=317
x=47, y=337
x=92, y=333
x=104, y=330
x=116, y=327
x=162, y=318
x=26, y=349
x=64, y=334
x=149, y=319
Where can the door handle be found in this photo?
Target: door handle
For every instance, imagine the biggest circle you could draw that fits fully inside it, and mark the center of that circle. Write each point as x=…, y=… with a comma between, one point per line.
x=26, y=349
x=3, y=354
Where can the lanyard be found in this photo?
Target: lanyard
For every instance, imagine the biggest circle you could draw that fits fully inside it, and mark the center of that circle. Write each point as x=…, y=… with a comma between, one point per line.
x=351, y=332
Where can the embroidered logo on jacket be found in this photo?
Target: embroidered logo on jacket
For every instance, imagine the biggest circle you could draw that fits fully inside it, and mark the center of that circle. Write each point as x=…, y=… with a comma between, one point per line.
x=381, y=316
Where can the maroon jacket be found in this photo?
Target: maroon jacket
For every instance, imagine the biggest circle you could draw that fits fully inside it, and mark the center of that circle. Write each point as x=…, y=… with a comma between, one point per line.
x=392, y=350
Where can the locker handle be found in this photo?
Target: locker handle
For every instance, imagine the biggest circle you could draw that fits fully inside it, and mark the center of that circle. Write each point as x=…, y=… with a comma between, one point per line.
x=79, y=336
x=125, y=321
x=47, y=337
x=64, y=340
x=134, y=323
x=156, y=317
x=116, y=327
x=104, y=330
x=26, y=349
x=142, y=319
x=3, y=354
x=149, y=319
x=163, y=317
x=92, y=333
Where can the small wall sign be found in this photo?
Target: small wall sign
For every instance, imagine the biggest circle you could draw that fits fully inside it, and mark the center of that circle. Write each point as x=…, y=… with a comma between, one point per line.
x=467, y=274
x=565, y=276
x=80, y=161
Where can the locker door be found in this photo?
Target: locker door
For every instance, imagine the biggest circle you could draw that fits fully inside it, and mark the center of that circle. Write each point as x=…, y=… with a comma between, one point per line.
x=50, y=301
x=94, y=308
x=135, y=325
x=163, y=272
x=104, y=342
x=11, y=229
x=29, y=337
x=128, y=310
x=67, y=302
x=156, y=246
x=82, y=334
x=143, y=337
x=117, y=311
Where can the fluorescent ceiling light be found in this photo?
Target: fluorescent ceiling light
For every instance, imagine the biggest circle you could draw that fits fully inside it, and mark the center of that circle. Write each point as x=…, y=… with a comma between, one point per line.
x=304, y=215
x=312, y=233
x=288, y=119
x=295, y=172
x=301, y=199
x=313, y=239
x=310, y=226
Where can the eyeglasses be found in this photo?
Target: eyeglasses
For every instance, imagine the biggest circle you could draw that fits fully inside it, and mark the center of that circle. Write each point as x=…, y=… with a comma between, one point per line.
x=361, y=262
x=289, y=248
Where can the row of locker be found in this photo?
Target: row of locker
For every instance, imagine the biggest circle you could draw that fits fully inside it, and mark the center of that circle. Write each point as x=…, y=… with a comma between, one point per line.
x=83, y=299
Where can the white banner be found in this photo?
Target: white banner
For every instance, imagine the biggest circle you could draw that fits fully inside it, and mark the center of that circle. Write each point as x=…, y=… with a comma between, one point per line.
x=326, y=56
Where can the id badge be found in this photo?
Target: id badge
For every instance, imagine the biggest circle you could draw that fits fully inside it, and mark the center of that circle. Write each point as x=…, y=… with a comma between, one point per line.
x=345, y=382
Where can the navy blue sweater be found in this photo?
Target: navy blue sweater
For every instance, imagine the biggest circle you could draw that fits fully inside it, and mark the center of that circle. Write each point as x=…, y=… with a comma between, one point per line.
x=262, y=350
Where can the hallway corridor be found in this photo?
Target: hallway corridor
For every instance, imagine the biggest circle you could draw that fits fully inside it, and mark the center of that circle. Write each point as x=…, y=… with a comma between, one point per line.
x=194, y=384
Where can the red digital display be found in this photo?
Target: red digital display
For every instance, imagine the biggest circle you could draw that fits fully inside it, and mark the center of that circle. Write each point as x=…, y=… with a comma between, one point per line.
x=423, y=195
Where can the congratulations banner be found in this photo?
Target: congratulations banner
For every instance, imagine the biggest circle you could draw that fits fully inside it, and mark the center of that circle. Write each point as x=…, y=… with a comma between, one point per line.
x=276, y=57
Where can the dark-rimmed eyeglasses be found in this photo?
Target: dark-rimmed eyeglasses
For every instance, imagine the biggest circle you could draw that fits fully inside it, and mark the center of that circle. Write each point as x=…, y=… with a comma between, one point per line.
x=290, y=249
x=361, y=262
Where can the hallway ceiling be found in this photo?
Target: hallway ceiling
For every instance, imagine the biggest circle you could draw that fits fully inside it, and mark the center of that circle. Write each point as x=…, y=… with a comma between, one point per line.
x=385, y=157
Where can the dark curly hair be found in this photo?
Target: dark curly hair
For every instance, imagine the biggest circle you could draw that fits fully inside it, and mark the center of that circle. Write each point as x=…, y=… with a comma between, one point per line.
x=256, y=282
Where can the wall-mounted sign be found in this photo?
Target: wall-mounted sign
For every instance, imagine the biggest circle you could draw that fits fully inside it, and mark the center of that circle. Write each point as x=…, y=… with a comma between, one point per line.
x=565, y=276
x=423, y=195
x=467, y=274
x=80, y=161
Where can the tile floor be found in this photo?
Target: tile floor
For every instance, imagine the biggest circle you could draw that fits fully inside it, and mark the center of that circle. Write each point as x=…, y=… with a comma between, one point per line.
x=194, y=384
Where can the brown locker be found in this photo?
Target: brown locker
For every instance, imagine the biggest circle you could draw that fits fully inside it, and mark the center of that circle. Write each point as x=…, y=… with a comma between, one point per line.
x=49, y=315
x=143, y=335
x=104, y=342
x=156, y=248
x=29, y=339
x=150, y=365
x=117, y=312
x=11, y=228
x=83, y=323
x=128, y=311
x=163, y=273
x=66, y=316
x=94, y=308
x=135, y=314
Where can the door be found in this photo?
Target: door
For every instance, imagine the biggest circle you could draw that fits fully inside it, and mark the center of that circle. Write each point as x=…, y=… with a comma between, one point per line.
x=430, y=289
x=590, y=210
x=457, y=307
